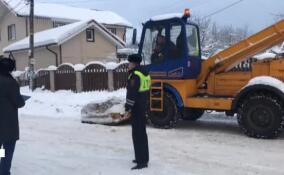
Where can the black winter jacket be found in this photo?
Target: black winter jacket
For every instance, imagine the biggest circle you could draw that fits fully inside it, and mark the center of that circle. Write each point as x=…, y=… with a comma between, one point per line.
x=10, y=101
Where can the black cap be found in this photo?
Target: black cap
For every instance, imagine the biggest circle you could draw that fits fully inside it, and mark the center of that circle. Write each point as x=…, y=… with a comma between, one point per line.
x=135, y=58
x=7, y=64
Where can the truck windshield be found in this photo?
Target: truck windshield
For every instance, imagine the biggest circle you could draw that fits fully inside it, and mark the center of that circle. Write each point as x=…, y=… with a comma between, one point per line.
x=192, y=40
x=154, y=46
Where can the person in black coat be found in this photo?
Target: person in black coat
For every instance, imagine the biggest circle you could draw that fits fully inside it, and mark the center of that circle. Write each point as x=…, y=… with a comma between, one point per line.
x=10, y=101
x=136, y=100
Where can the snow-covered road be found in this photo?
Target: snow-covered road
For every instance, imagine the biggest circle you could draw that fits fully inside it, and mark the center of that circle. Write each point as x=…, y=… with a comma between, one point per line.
x=214, y=145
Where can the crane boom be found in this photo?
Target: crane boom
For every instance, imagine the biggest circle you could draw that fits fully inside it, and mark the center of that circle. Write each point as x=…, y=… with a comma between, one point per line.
x=228, y=58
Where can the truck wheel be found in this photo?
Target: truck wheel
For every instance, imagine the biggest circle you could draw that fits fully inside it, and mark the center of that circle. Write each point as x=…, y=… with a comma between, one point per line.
x=261, y=116
x=192, y=114
x=168, y=118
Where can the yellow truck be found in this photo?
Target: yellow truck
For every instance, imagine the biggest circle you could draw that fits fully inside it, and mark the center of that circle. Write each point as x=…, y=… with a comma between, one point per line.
x=184, y=85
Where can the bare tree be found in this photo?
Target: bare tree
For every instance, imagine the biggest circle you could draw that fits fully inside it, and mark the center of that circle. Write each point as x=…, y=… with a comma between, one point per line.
x=215, y=37
x=204, y=27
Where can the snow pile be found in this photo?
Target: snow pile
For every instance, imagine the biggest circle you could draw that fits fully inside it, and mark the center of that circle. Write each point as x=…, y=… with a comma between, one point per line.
x=64, y=104
x=17, y=74
x=266, y=80
x=263, y=56
x=103, y=113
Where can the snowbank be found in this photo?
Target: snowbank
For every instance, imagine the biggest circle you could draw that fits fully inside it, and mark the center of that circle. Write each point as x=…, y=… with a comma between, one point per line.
x=63, y=104
x=17, y=73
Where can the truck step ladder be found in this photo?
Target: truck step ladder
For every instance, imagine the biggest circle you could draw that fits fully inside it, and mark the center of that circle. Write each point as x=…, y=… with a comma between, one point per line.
x=157, y=97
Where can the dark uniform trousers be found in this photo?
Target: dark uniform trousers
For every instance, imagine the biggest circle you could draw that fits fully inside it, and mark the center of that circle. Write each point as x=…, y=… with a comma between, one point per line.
x=5, y=163
x=137, y=95
x=139, y=136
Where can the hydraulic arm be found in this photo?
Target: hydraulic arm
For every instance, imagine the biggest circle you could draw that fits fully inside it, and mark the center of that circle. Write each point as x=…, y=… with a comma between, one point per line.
x=228, y=58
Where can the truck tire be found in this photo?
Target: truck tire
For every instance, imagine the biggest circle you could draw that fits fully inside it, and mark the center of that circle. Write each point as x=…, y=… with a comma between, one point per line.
x=261, y=116
x=192, y=114
x=168, y=118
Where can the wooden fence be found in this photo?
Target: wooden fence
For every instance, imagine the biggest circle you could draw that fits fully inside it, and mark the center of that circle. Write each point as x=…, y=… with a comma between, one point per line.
x=65, y=78
x=93, y=77
x=120, y=75
x=23, y=82
x=42, y=79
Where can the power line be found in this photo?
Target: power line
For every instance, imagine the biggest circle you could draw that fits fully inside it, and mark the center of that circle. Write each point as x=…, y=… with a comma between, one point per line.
x=69, y=2
x=223, y=9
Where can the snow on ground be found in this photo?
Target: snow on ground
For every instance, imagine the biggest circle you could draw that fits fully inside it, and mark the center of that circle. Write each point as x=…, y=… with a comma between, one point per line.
x=58, y=143
x=213, y=145
x=63, y=104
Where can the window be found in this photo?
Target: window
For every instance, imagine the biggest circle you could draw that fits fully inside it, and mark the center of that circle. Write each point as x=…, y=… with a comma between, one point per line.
x=90, y=35
x=11, y=32
x=112, y=30
x=154, y=46
x=177, y=42
x=192, y=40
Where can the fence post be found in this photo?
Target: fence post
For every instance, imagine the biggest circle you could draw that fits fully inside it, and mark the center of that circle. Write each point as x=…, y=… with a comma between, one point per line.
x=79, y=81
x=52, y=80
x=110, y=80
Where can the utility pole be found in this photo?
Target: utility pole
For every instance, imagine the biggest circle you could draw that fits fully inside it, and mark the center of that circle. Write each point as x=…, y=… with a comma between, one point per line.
x=31, y=51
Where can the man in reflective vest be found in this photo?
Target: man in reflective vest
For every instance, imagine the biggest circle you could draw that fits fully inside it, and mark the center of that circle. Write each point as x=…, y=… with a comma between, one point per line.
x=138, y=87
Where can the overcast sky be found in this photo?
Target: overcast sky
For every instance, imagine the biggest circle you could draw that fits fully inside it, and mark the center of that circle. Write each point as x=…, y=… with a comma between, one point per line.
x=257, y=14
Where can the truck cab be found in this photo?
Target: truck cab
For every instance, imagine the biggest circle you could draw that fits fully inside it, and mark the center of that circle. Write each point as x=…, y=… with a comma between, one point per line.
x=170, y=47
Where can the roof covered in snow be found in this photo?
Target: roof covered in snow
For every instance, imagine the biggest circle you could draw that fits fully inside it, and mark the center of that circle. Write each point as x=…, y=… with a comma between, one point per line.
x=59, y=35
x=64, y=13
x=166, y=16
